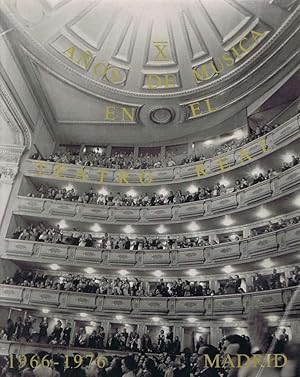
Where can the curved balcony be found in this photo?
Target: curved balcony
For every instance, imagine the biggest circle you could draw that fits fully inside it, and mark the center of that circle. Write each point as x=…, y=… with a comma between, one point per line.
x=268, y=301
x=266, y=245
x=276, y=139
x=274, y=188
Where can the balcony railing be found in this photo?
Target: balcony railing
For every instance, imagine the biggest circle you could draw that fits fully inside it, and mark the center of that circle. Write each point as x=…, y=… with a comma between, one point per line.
x=276, y=139
x=277, y=243
x=285, y=182
x=268, y=301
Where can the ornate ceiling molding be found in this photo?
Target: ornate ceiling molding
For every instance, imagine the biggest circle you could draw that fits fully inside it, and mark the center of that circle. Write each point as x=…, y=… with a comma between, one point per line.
x=75, y=75
x=12, y=113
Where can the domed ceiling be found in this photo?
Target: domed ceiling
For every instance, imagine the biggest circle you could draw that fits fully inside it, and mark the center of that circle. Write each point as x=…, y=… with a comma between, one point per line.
x=141, y=71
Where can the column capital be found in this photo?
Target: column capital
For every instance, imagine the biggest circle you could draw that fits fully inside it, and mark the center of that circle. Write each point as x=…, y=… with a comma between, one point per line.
x=8, y=174
x=10, y=156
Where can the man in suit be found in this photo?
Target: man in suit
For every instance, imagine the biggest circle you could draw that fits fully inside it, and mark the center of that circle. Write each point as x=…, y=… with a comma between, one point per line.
x=203, y=368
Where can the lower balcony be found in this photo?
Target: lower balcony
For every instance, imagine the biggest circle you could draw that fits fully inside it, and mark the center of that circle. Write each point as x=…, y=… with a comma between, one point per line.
x=271, y=244
x=206, y=307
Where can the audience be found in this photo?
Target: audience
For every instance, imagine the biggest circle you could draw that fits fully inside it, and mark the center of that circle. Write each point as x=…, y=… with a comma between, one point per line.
x=161, y=364
x=42, y=233
x=77, y=283
x=154, y=199
x=135, y=287
x=122, y=160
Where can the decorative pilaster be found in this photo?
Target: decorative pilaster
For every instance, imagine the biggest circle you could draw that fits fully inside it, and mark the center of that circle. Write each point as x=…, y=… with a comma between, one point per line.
x=10, y=156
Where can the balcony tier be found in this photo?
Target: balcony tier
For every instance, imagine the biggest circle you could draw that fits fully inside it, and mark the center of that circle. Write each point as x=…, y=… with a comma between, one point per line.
x=209, y=306
x=274, y=188
x=276, y=139
x=271, y=244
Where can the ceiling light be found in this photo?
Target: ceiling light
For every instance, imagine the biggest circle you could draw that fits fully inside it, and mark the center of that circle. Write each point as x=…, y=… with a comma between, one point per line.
x=228, y=269
x=45, y=310
x=163, y=191
x=54, y=266
x=267, y=263
x=131, y=193
x=228, y=319
x=287, y=157
x=192, y=189
x=202, y=328
x=83, y=315
x=123, y=272
x=224, y=182
x=158, y=273
x=103, y=191
x=155, y=319
x=273, y=318
x=161, y=229
x=193, y=145
x=227, y=221
x=62, y=224
x=128, y=229
x=256, y=171
x=296, y=201
x=89, y=270
x=98, y=150
x=192, y=272
x=262, y=213
x=68, y=187
x=238, y=134
x=96, y=228
x=191, y=320
x=119, y=317
x=193, y=226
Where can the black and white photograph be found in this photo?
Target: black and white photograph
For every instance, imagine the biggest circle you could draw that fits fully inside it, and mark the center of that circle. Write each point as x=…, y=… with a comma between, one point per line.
x=149, y=188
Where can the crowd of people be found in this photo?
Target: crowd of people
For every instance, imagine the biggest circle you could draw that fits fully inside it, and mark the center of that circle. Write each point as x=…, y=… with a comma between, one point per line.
x=22, y=330
x=276, y=280
x=138, y=288
x=122, y=160
x=164, y=364
x=25, y=330
x=77, y=283
x=121, y=340
x=42, y=233
x=155, y=199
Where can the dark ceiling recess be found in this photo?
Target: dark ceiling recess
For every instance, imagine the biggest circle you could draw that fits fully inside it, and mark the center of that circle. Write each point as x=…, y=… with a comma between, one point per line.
x=279, y=101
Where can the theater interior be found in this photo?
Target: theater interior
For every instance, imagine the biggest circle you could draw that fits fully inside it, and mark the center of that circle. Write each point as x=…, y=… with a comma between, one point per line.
x=149, y=184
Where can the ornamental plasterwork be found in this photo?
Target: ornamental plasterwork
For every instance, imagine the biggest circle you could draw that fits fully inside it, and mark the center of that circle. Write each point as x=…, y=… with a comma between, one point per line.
x=7, y=174
x=10, y=156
